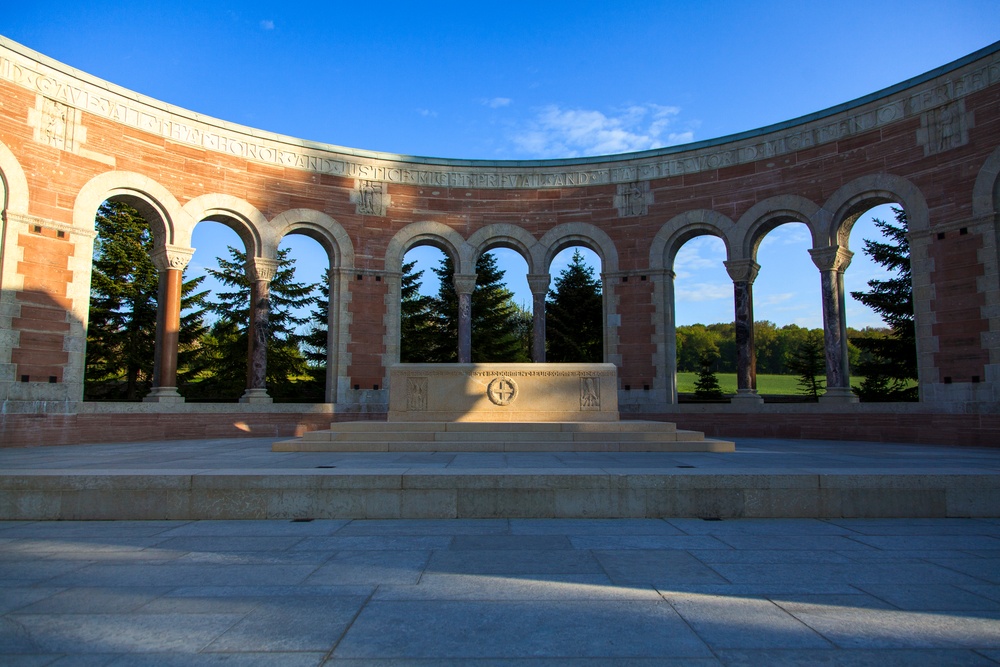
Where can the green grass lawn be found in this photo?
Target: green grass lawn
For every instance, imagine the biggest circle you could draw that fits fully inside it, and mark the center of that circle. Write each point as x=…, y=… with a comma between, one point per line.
x=766, y=384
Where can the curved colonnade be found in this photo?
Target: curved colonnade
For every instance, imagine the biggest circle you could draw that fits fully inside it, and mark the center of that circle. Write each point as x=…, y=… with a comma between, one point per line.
x=69, y=142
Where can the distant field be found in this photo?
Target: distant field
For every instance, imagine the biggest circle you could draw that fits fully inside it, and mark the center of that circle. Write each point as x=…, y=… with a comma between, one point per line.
x=766, y=384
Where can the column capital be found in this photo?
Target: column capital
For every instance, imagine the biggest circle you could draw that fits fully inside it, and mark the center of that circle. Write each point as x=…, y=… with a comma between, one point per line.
x=172, y=257
x=261, y=268
x=742, y=270
x=539, y=282
x=465, y=283
x=831, y=258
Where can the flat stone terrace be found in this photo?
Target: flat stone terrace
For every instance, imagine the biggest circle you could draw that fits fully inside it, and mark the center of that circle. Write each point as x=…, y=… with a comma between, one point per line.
x=485, y=593
x=244, y=479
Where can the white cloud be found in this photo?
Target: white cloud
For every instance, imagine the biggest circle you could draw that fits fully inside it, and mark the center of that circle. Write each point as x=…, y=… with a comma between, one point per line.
x=699, y=254
x=267, y=24
x=427, y=113
x=558, y=132
x=704, y=292
x=496, y=102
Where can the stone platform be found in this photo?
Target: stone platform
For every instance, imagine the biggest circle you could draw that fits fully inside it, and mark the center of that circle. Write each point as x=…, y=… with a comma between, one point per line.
x=236, y=478
x=619, y=436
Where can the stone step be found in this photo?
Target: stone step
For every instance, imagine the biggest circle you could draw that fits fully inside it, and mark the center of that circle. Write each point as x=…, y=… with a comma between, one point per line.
x=632, y=426
x=502, y=445
x=510, y=436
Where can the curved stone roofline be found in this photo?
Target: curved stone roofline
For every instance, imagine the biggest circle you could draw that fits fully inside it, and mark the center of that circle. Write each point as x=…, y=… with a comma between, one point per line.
x=30, y=69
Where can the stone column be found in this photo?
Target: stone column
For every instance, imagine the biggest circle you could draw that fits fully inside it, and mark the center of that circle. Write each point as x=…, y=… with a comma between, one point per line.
x=539, y=284
x=170, y=262
x=464, y=283
x=260, y=273
x=744, y=272
x=832, y=262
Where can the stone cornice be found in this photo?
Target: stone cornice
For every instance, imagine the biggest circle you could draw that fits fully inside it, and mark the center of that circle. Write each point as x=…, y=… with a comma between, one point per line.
x=29, y=220
x=65, y=85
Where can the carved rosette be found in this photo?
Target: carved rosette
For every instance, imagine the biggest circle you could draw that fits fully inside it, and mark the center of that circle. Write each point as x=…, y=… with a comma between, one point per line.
x=172, y=257
x=502, y=391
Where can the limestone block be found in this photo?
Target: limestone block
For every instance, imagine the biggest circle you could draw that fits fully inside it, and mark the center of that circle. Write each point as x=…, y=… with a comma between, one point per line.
x=503, y=392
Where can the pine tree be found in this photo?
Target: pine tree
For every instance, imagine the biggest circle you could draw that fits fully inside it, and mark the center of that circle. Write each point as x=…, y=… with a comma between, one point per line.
x=890, y=366
x=495, y=336
x=574, y=329
x=809, y=364
x=707, y=385
x=121, y=334
x=417, y=330
x=227, y=343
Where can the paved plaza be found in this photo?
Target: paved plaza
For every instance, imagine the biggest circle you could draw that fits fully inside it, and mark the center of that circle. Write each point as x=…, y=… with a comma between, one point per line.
x=501, y=591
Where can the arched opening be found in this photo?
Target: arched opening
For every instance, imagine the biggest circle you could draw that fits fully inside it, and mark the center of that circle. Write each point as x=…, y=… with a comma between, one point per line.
x=574, y=307
x=124, y=297
x=788, y=326
x=879, y=309
x=218, y=367
x=703, y=312
x=299, y=321
x=501, y=316
x=423, y=339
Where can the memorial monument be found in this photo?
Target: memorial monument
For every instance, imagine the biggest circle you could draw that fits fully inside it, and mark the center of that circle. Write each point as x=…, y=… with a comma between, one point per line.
x=504, y=408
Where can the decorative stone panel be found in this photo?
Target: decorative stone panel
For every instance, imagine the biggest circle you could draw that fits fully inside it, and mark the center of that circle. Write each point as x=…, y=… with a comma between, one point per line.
x=633, y=199
x=370, y=198
x=944, y=128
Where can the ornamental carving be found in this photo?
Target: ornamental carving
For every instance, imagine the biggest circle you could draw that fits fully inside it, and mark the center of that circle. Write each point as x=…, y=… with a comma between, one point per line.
x=590, y=393
x=502, y=391
x=55, y=123
x=944, y=128
x=633, y=199
x=416, y=394
x=370, y=198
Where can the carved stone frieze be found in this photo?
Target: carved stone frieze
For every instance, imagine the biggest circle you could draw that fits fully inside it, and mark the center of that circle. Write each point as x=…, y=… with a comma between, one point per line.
x=85, y=93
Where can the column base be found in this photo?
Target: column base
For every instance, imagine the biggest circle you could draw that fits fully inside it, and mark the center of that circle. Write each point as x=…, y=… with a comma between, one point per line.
x=163, y=395
x=839, y=395
x=256, y=396
x=747, y=397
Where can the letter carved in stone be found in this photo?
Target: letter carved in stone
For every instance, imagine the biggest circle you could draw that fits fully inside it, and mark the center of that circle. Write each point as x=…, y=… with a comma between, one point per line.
x=416, y=394
x=502, y=391
x=590, y=393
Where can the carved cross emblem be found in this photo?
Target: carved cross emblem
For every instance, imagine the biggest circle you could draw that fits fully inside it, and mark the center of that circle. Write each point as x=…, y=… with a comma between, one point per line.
x=502, y=391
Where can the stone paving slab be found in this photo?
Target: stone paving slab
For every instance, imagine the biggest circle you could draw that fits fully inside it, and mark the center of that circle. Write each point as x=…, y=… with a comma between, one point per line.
x=498, y=592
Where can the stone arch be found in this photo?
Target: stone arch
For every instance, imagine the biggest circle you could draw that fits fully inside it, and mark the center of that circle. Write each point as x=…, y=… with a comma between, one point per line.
x=258, y=237
x=167, y=220
x=846, y=205
x=986, y=192
x=505, y=235
x=682, y=228
x=766, y=215
x=429, y=233
x=14, y=184
x=573, y=233
x=320, y=227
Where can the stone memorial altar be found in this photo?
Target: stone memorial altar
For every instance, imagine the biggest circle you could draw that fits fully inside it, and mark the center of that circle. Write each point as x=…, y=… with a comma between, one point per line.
x=503, y=408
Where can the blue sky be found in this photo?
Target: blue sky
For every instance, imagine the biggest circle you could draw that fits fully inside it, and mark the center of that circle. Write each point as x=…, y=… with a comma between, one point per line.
x=519, y=80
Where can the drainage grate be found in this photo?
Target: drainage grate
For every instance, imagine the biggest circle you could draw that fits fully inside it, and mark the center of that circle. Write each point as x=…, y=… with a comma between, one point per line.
x=326, y=466
x=685, y=466
x=710, y=518
x=301, y=520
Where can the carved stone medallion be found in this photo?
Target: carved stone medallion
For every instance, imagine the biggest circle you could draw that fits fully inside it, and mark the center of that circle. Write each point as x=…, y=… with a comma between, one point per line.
x=502, y=391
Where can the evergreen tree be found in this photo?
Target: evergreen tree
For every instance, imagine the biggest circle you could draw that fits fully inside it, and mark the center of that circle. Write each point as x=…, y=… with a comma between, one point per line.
x=891, y=363
x=417, y=324
x=707, y=386
x=495, y=335
x=227, y=343
x=574, y=330
x=121, y=334
x=809, y=364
